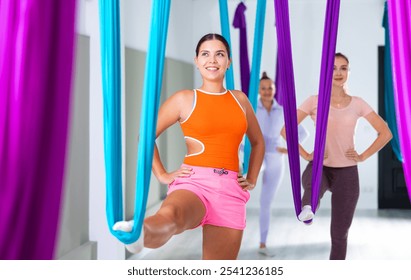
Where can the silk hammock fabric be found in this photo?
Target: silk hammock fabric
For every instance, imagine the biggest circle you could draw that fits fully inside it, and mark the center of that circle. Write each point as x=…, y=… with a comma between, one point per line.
x=399, y=16
x=36, y=54
x=109, y=22
x=279, y=96
x=285, y=73
x=241, y=23
x=255, y=70
x=287, y=87
x=225, y=31
x=111, y=79
x=389, y=103
x=324, y=94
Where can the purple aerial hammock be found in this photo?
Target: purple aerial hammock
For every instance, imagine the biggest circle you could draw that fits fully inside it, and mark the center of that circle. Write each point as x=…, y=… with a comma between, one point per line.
x=239, y=22
x=286, y=88
x=285, y=80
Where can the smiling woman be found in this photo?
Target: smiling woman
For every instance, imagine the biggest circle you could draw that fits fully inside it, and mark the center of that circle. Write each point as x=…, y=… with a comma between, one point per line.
x=340, y=172
x=213, y=59
x=207, y=189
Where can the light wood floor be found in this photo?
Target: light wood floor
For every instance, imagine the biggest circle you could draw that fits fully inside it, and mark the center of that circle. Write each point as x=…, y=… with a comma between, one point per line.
x=374, y=235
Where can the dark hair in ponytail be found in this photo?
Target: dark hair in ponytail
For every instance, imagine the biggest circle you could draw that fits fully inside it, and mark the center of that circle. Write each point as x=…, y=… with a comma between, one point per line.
x=264, y=76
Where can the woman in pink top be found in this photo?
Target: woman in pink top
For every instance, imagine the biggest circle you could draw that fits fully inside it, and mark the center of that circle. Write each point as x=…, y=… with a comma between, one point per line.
x=340, y=173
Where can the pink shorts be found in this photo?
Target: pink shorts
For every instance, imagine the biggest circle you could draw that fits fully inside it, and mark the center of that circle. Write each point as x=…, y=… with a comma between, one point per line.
x=222, y=196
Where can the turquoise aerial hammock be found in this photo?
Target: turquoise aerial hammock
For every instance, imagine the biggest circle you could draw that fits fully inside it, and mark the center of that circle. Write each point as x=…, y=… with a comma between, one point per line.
x=111, y=77
x=225, y=31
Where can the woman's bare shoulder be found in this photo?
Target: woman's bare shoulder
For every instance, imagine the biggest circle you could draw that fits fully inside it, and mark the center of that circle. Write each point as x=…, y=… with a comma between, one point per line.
x=181, y=100
x=240, y=95
x=182, y=95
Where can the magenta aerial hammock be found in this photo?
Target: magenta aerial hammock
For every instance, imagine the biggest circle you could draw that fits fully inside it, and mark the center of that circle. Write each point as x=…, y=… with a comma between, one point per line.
x=36, y=65
x=399, y=17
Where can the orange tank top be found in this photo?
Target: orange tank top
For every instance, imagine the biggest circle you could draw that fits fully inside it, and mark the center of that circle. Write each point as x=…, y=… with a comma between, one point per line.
x=218, y=123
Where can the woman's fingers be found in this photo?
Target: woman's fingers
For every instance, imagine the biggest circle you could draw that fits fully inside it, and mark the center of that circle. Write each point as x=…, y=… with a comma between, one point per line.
x=184, y=172
x=247, y=186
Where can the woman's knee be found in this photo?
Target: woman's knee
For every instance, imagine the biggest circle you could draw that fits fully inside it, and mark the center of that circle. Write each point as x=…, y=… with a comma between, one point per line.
x=220, y=243
x=183, y=206
x=173, y=215
x=306, y=177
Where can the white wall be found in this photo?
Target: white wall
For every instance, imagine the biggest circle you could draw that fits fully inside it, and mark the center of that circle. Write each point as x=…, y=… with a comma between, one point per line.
x=359, y=35
x=137, y=21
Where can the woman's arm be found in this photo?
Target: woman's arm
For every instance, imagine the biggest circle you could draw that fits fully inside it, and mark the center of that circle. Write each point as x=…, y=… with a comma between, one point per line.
x=255, y=136
x=168, y=114
x=384, y=136
x=302, y=133
x=302, y=136
x=304, y=154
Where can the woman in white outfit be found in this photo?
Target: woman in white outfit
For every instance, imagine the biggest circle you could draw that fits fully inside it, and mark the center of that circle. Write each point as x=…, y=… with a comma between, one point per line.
x=271, y=119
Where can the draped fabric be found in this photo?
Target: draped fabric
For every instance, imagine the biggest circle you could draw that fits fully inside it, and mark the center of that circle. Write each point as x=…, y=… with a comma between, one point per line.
x=399, y=16
x=150, y=105
x=389, y=104
x=240, y=23
x=111, y=84
x=324, y=94
x=285, y=73
x=287, y=87
x=225, y=31
x=36, y=60
x=255, y=69
x=279, y=96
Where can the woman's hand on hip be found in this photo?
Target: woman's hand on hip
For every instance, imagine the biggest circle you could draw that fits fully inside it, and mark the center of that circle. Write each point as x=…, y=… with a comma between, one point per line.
x=353, y=155
x=244, y=184
x=168, y=178
x=309, y=156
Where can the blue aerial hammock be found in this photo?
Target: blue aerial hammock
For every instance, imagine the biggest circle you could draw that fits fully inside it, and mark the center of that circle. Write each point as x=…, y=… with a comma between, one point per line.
x=288, y=89
x=111, y=76
x=225, y=31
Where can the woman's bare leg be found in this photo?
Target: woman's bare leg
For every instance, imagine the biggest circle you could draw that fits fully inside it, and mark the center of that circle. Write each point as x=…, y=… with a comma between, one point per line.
x=181, y=210
x=221, y=243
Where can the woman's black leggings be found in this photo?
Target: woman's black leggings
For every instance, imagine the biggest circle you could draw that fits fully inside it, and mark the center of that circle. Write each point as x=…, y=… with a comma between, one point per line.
x=343, y=183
